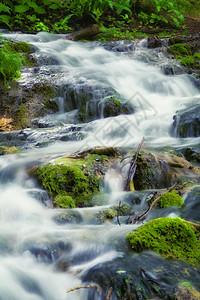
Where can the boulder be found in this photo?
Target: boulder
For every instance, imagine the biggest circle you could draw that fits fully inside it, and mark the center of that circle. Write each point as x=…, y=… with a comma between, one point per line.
x=170, y=237
x=160, y=170
x=187, y=122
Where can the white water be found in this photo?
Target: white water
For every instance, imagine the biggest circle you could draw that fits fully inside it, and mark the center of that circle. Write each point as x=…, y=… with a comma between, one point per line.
x=23, y=220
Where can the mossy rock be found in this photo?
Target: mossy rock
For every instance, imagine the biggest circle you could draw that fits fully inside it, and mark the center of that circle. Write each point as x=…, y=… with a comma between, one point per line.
x=8, y=150
x=64, y=201
x=110, y=213
x=186, y=292
x=160, y=170
x=172, y=238
x=170, y=199
x=72, y=181
x=69, y=216
x=180, y=49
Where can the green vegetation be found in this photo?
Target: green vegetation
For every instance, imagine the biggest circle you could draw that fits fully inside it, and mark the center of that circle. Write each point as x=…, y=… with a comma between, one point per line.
x=116, y=210
x=12, y=57
x=71, y=182
x=170, y=199
x=64, y=201
x=8, y=150
x=63, y=15
x=172, y=238
x=184, y=53
x=180, y=50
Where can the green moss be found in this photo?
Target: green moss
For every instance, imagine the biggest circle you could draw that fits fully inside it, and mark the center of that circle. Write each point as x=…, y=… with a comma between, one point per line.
x=64, y=201
x=188, y=61
x=112, y=212
x=172, y=238
x=70, y=177
x=184, y=53
x=107, y=214
x=8, y=150
x=180, y=49
x=170, y=199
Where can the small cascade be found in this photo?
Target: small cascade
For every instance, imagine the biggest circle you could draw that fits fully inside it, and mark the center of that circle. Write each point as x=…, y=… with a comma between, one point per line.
x=108, y=94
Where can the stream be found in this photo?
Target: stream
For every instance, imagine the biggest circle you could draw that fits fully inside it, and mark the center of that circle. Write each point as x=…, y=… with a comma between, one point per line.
x=40, y=258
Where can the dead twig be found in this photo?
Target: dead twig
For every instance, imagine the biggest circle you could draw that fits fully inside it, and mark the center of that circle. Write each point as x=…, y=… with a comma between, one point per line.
x=91, y=285
x=109, y=293
x=132, y=168
x=138, y=217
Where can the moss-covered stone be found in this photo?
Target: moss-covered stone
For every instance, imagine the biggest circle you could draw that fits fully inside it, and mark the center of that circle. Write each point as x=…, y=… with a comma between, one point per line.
x=78, y=179
x=172, y=238
x=160, y=170
x=184, y=53
x=8, y=150
x=108, y=214
x=186, y=292
x=170, y=199
x=69, y=216
x=64, y=201
x=180, y=49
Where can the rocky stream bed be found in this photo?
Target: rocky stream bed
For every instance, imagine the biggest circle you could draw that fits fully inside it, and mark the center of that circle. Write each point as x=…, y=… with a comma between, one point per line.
x=71, y=226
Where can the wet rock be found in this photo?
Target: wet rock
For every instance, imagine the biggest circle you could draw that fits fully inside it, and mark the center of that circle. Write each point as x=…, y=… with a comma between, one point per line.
x=168, y=236
x=191, y=153
x=192, y=40
x=94, y=100
x=23, y=102
x=154, y=42
x=45, y=122
x=84, y=34
x=108, y=214
x=187, y=122
x=46, y=251
x=69, y=216
x=160, y=170
x=8, y=150
x=173, y=69
x=144, y=276
x=118, y=46
x=75, y=179
x=184, y=292
x=40, y=195
x=191, y=209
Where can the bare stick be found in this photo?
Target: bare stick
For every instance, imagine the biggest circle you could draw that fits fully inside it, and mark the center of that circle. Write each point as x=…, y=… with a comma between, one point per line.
x=91, y=285
x=133, y=166
x=138, y=217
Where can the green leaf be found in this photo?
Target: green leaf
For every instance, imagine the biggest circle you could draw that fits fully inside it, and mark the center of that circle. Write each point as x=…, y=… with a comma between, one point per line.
x=54, y=6
x=37, y=9
x=120, y=271
x=47, y=2
x=4, y=8
x=21, y=8
x=5, y=19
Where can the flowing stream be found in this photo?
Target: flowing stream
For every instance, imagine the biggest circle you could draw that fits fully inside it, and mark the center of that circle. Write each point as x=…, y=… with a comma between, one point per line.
x=29, y=268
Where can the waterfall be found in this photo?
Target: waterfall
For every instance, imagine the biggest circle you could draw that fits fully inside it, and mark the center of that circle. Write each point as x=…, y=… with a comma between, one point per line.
x=39, y=258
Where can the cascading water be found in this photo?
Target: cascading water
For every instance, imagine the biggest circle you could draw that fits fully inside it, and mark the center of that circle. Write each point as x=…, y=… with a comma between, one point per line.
x=33, y=247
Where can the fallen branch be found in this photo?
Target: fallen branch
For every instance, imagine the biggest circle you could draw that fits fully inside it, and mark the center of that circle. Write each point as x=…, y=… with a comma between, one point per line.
x=139, y=217
x=132, y=168
x=109, y=293
x=91, y=285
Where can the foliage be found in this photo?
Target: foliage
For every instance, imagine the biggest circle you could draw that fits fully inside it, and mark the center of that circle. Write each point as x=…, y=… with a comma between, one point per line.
x=62, y=16
x=172, y=238
x=170, y=199
x=12, y=57
x=10, y=62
